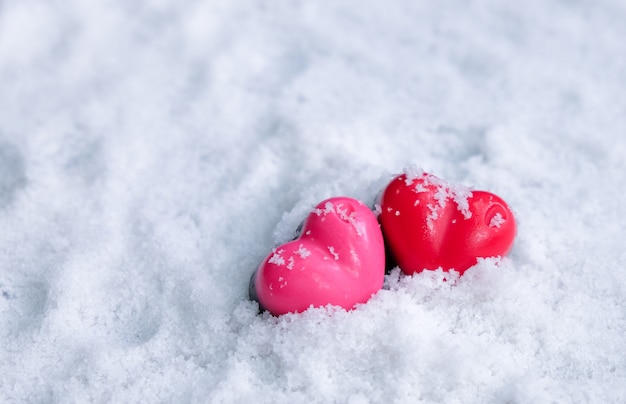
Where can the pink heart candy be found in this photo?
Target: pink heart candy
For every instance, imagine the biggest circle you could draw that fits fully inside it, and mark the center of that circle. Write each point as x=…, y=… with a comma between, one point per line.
x=339, y=259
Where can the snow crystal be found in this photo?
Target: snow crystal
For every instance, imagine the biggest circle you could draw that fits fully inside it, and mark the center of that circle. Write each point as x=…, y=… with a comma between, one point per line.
x=328, y=207
x=351, y=218
x=460, y=194
x=443, y=192
x=496, y=221
x=303, y=252
x=277, y=258
x=432, y=215
x=412, y=173
x=331, y=249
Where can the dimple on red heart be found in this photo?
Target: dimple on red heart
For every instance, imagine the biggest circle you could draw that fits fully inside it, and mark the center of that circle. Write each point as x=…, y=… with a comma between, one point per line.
x=339, y=259
x=429, y=224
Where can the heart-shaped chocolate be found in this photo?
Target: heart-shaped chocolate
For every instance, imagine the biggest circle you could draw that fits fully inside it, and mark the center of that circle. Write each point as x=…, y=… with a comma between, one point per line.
x=430, y=224
x=339, y=259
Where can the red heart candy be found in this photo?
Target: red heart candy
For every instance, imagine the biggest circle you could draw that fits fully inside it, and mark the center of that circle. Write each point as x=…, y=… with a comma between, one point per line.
x=428, y=224
x=339, y=259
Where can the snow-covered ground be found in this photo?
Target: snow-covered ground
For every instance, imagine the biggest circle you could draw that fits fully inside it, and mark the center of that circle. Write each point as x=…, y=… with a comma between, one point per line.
x=152, y=154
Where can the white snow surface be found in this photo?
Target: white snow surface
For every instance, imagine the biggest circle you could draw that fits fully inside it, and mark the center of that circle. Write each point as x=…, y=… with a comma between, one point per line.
x=153, y=153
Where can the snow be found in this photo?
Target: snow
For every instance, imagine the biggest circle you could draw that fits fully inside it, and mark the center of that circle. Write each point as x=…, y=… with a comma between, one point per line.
x=496, y=220
x=303, y=252
x=443, y=192
x=277, y=258
x=332, y=251
x=153, y=153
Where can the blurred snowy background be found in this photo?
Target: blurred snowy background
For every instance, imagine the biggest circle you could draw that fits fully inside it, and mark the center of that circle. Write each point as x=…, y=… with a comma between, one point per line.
x=152, y=153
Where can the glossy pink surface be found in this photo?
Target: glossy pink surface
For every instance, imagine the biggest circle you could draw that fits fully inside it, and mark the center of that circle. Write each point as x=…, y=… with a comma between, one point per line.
x=339, y=259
